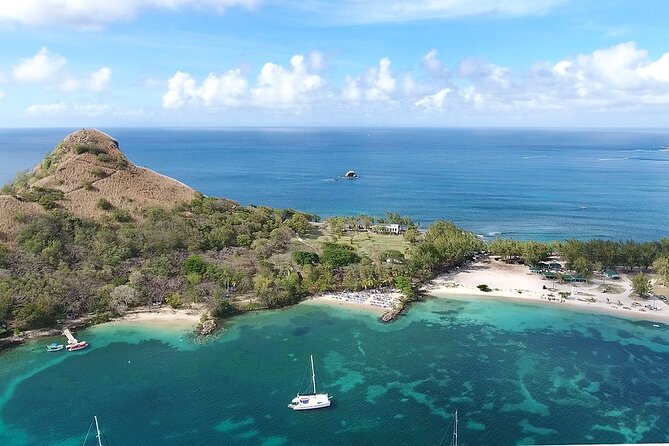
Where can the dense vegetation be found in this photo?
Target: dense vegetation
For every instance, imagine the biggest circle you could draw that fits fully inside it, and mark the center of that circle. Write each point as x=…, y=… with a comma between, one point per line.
x=209, y=251
x=231, y=258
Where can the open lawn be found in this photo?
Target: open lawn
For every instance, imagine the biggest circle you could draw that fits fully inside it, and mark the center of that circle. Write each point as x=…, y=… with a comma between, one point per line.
x=367, y=243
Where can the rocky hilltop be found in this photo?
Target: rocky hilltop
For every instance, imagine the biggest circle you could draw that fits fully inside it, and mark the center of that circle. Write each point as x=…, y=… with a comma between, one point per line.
x=88, y=175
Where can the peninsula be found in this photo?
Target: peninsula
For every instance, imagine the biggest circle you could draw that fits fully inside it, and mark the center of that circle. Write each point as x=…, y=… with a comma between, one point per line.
x=87, y=237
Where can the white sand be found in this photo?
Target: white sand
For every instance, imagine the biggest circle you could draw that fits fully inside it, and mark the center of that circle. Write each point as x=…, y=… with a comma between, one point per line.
x=165, y=317
x=362, y=301
x=517, y=283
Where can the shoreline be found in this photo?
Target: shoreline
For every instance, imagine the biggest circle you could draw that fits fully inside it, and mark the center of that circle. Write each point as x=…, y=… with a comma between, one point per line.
x=514, y=283
x=377, y=302
x=508, y=283
x=163, y=317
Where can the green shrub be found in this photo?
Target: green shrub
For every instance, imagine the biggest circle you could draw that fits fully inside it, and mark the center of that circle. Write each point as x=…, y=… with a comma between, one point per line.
x=303, y=258
x=483, y=287
x=104, y=204
x=121, y=216
x=104, y=157
x=174, y=300
x=195, y=264
x=99, y=173
x=40, y=312
x=87, y=185
x=337, y=255
x=121, y=163
x=223, y=309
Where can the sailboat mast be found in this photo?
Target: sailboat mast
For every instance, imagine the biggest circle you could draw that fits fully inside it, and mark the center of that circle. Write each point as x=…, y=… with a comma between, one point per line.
x=313, y=373
x=455, y=430
x=97, y=428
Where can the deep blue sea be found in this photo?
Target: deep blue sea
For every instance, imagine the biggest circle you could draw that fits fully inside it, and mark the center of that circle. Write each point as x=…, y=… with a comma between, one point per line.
x=516, y=374
x=526, y=184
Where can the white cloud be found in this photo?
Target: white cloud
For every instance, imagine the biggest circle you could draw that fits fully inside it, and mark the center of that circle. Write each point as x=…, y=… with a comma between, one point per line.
x=46, y=68
x=226, y=90
x=43, y=66
x=433, y=65
x=657, y=70
x=609, y=80
x=94, y=14
x=378, y=83
x=99, y=79
x=63, y=107
x=276, y=86
x=615, y=74
x=357, y=11
x=2, y=94
x=46, y=109
x=288, y=86
x=434, y=101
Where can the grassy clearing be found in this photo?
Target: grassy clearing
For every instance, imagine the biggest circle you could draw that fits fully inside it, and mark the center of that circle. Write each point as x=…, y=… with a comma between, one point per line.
x=367, y=243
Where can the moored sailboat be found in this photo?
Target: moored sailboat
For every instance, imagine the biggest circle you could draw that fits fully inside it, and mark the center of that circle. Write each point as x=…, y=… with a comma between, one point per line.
x=98, y=435
x=310, y=400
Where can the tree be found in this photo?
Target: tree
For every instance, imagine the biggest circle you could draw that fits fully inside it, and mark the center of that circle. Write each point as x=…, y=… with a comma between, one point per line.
x=40, y=312
x=412, y=235
x=195, y=264
x=661, y=268
x=6, y=304
x=534, y=252
x=337, y=255
x=392, y=256
x=584, y=267
x=305, y=258
x=641, y=284
x=122, y=297
x=298, y=223
x=403, y=284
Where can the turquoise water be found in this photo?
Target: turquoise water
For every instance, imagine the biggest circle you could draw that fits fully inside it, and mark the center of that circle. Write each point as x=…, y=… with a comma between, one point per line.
x=528, y=184
x=517, y=375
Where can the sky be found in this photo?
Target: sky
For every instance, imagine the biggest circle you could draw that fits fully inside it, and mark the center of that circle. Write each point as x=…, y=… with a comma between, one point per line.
x=268, y=63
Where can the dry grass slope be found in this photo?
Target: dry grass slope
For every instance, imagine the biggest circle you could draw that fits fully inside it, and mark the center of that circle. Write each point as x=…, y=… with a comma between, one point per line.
x=87, y=166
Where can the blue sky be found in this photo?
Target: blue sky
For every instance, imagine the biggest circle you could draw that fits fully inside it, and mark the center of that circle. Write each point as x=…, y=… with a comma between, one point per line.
x=220, y=63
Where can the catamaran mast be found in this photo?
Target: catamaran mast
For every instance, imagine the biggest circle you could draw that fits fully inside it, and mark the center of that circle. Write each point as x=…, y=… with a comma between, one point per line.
x=313, y=373
x=97, y=428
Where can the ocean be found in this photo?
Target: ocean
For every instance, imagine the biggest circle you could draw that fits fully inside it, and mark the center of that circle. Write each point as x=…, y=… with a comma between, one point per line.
x=524, y=184
x=516, y=374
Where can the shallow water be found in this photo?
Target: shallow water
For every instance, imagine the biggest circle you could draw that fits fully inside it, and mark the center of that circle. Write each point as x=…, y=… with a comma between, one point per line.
x=516, y=374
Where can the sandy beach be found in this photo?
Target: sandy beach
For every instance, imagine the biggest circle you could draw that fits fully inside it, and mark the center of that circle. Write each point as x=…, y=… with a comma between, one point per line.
x=517, y=283
x=377, y=301
x=164, y=317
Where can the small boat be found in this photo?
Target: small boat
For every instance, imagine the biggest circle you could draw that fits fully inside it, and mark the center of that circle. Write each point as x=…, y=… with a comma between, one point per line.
x=72, y=343
x=53, y=347
x=350, y=175
x=78, y=346
x=310, y=400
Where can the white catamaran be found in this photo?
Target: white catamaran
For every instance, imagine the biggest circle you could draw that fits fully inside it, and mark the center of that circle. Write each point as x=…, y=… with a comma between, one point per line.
x=98, y=435
x=310, y=400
